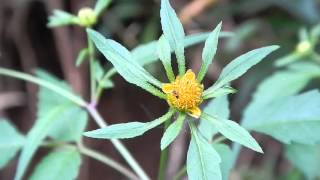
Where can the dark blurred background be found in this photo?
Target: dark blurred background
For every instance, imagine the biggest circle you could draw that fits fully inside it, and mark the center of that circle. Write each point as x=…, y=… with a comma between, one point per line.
x=27, y=44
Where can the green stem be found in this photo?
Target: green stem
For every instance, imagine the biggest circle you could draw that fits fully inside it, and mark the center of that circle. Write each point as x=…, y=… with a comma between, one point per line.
x=118, y=145
x=108, y=75
x=163, y=157
x=92, y=70
x=180, y=173
x=106, y=160
x=43, y=83
x=219, y=139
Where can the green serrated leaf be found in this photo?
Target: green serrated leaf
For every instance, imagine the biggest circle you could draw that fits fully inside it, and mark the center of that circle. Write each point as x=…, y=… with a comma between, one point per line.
x=173, y=31
x=216, y=107
x=69, y=125
x=123, y=62
x=127, y=130
x=11, y=141
x=209, y=51
x=62, y=18
x=234, y=132
x=61, y=164
x=34, y=138
x=240, y=65
x=202, y=159
x=83, y=54
x=226, y=154
x=172, y=131
x=100, y=6
x=164, y=53
x=306, y=158
x=147, y=53
x=284, y=117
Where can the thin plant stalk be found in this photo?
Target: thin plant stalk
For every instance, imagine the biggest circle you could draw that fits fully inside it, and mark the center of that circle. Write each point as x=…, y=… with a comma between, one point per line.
x=163, y=157
x=92, y=70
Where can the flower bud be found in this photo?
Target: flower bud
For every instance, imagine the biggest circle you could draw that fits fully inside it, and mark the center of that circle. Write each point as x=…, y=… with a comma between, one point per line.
x=87, y=17
x=303, y=47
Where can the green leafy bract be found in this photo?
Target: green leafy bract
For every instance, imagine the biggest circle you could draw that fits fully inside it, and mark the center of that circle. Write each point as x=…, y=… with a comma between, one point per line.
x=100, y=6
x=62, y=18
x=172, y=131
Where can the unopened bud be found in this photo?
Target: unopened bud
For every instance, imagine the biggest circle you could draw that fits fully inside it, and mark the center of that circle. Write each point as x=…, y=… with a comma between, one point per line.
x=87, y=17
x=303, y=47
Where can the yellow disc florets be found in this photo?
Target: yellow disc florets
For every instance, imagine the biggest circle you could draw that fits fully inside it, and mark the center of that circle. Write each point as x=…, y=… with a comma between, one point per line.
x=185, y=94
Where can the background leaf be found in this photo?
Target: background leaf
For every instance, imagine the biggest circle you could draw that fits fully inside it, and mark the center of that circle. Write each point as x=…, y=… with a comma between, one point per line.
x=11, y=141
x=305, y=157
x=69, y=125
x=61, y=164
x=225, y=153
x=62, y=18
x=284, y=117
x=101, y=5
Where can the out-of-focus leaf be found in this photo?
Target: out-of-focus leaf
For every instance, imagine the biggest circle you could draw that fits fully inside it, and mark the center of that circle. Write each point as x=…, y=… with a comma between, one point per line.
x=34, y=138
x=11, y=141
x=62, y=18
x=202, y=159
x=147, y=53
x=216, y=107
x=284, y=117
x=101, y=5
x=225, y=153
x=220, y=92
x=83, y=54
x=62, y=164
x=306, y=158
x=72, y=122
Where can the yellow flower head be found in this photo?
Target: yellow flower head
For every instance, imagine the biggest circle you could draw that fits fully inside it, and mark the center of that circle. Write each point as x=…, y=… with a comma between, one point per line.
x=185, y=94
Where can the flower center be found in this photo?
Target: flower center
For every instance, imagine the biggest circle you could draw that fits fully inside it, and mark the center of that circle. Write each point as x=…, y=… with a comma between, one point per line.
x=185, y=94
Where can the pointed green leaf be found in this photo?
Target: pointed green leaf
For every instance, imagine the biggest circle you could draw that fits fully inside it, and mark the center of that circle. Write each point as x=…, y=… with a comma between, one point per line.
x=173, y=31
x=147, y=53
x=83, y=54
x=305, y=157
x=283, y=118
x=123, y=62
x=62, y=18
x=209, y=50
x=172, y=131
x=234, y=132
x=11, y=141
x=226, y=154
x=99, y=72
x=100, y=6
x=61, y=164
x=34, y=138
x=216, y=107
x=202, y=159
x=127, y=130
x=240, y=65
x=164, y=53
x=69, y=125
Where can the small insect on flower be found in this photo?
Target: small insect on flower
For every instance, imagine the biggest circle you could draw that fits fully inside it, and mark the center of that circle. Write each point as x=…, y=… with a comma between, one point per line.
x=185, y=94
